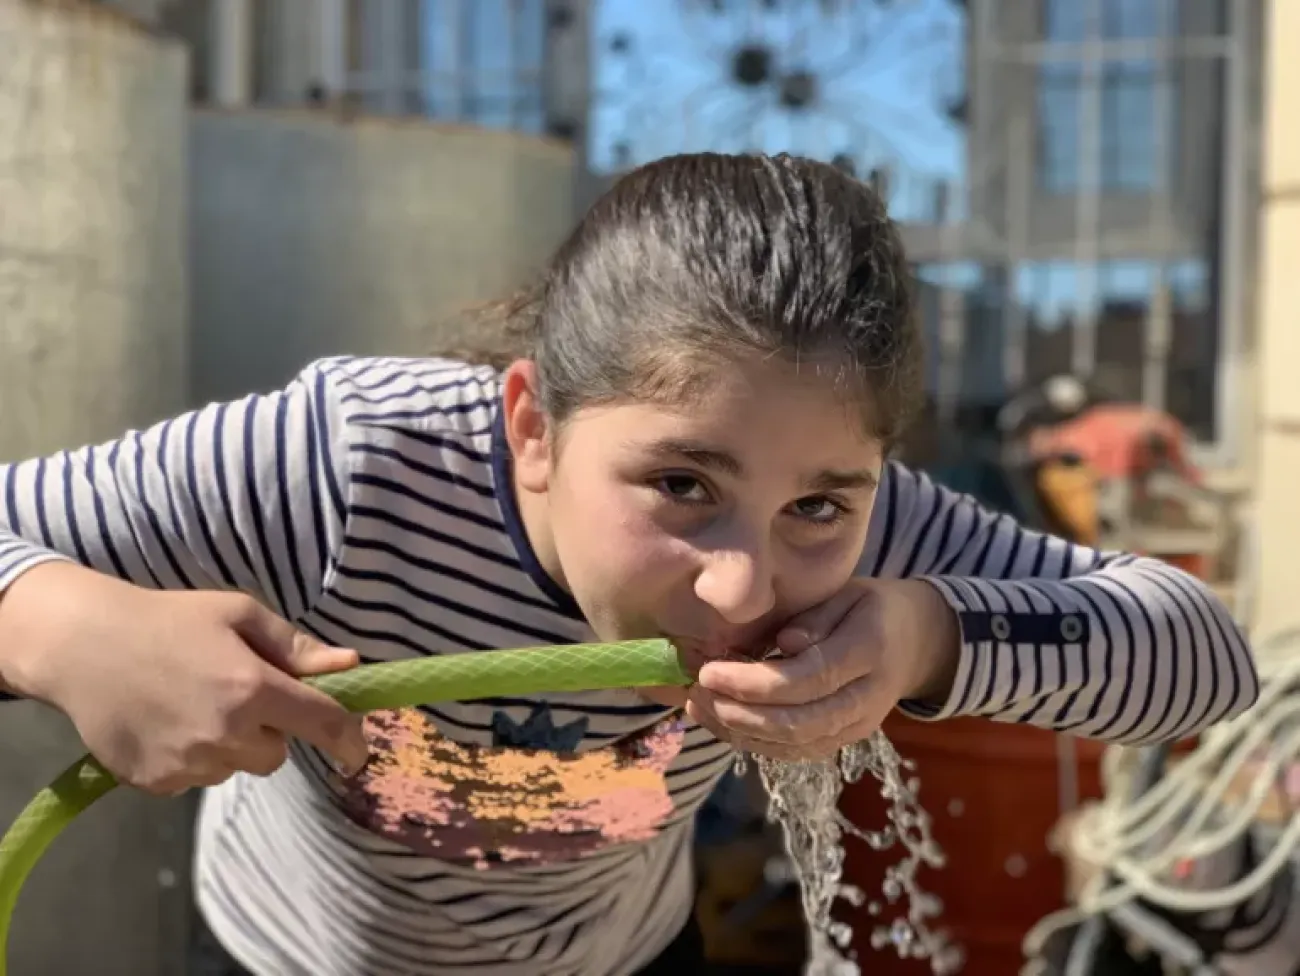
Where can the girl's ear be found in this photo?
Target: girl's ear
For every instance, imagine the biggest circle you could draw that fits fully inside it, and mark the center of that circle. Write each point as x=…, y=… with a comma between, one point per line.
x=527, y=429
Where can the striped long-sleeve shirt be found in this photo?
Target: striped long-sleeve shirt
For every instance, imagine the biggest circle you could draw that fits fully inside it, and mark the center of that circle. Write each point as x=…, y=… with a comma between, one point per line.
x=369, y=503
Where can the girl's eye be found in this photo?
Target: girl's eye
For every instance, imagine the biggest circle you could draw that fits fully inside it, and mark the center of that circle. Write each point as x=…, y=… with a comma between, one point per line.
x=683, y=488
x=819, y=509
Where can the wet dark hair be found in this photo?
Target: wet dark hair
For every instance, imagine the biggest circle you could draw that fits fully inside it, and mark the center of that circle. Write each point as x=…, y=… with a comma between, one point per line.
x=692, y=260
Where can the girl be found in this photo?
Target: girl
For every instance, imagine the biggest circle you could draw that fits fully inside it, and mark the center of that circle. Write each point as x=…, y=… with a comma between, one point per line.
x=693, y=445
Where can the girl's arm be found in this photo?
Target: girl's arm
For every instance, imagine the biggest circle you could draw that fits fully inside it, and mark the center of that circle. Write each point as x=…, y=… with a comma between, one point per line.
x=1107, y=646
x=245, y=496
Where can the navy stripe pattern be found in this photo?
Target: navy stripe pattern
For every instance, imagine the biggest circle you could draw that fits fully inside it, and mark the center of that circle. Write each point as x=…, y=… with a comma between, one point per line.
x=1107, y=646
x=363, y=503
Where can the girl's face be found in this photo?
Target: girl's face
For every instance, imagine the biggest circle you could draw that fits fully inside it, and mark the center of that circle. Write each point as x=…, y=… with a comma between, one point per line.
x=712, y=524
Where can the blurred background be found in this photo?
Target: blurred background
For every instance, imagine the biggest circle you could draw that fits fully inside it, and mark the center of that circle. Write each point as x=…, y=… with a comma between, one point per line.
x=1100, y=199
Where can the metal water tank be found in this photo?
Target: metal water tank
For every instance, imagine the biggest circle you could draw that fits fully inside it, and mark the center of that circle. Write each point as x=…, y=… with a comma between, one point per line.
x=93, y=326
x=93, y=302
x=327, y=232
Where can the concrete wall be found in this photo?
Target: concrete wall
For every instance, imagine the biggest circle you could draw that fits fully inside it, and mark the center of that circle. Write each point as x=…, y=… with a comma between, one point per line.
x=92, y=331
x=314, y=234
x=1277, y=500
x=92, y=233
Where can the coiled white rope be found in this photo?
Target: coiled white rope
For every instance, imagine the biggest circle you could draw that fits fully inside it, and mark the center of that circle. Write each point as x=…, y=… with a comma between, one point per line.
x=1134, y=844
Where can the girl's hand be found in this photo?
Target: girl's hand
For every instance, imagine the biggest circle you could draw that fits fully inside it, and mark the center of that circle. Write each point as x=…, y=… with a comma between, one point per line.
x=845, y=664
x=172, y=690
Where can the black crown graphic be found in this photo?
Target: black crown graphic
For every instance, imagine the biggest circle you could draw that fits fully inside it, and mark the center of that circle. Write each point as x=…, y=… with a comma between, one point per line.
x=538, y=731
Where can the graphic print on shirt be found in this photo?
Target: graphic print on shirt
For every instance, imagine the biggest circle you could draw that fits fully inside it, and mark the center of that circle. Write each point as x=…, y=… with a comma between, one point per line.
x=529, y=798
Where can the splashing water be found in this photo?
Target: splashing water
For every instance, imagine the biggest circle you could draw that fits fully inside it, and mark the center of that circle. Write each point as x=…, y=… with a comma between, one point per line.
x=804, y=799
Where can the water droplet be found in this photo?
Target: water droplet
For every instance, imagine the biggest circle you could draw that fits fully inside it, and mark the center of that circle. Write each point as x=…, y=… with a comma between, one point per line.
x=804, y=800
x=927, y=905
x=881, y=839
x=854, y=895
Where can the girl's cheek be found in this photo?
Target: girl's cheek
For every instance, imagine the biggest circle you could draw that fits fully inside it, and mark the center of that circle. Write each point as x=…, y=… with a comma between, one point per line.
x=650, y=552
x=649, y=560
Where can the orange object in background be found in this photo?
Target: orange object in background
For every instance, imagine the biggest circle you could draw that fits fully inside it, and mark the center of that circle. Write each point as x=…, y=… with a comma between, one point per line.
x=770, y=938
x=1068, y=493
x=1108, y=442
x=1116, y=440
x=991, y=790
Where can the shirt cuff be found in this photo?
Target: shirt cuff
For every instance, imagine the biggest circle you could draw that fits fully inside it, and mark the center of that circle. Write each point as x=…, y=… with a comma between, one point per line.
x=15, y=560
x=1000, y=649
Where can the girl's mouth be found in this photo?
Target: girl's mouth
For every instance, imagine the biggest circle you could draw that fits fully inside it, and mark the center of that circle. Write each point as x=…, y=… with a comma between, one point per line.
x=702, y=650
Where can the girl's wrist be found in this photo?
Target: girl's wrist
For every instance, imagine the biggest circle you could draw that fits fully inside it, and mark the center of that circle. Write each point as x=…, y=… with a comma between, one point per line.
x=938, y=650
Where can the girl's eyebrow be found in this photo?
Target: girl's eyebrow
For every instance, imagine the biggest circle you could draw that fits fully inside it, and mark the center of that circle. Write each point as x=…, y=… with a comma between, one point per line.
x=716, y=458
x=842, y=480
x=697, y=452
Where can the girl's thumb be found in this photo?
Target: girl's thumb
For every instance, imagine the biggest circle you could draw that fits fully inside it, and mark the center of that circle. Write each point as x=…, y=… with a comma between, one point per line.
x=286, y=647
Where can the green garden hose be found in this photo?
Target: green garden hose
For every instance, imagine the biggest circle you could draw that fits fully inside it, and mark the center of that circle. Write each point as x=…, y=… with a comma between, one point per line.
x=369, y=688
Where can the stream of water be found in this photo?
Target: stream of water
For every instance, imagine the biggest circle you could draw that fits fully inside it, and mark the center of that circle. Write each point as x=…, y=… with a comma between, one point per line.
x=803, y=798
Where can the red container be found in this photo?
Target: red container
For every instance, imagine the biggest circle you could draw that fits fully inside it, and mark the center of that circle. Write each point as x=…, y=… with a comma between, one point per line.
x=992, y=792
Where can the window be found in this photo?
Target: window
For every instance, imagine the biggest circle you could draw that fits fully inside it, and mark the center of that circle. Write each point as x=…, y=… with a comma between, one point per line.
x=476, y=61
x=1066, y=21
x=485, y=65
x=1127, y=140
x=1119, y=297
